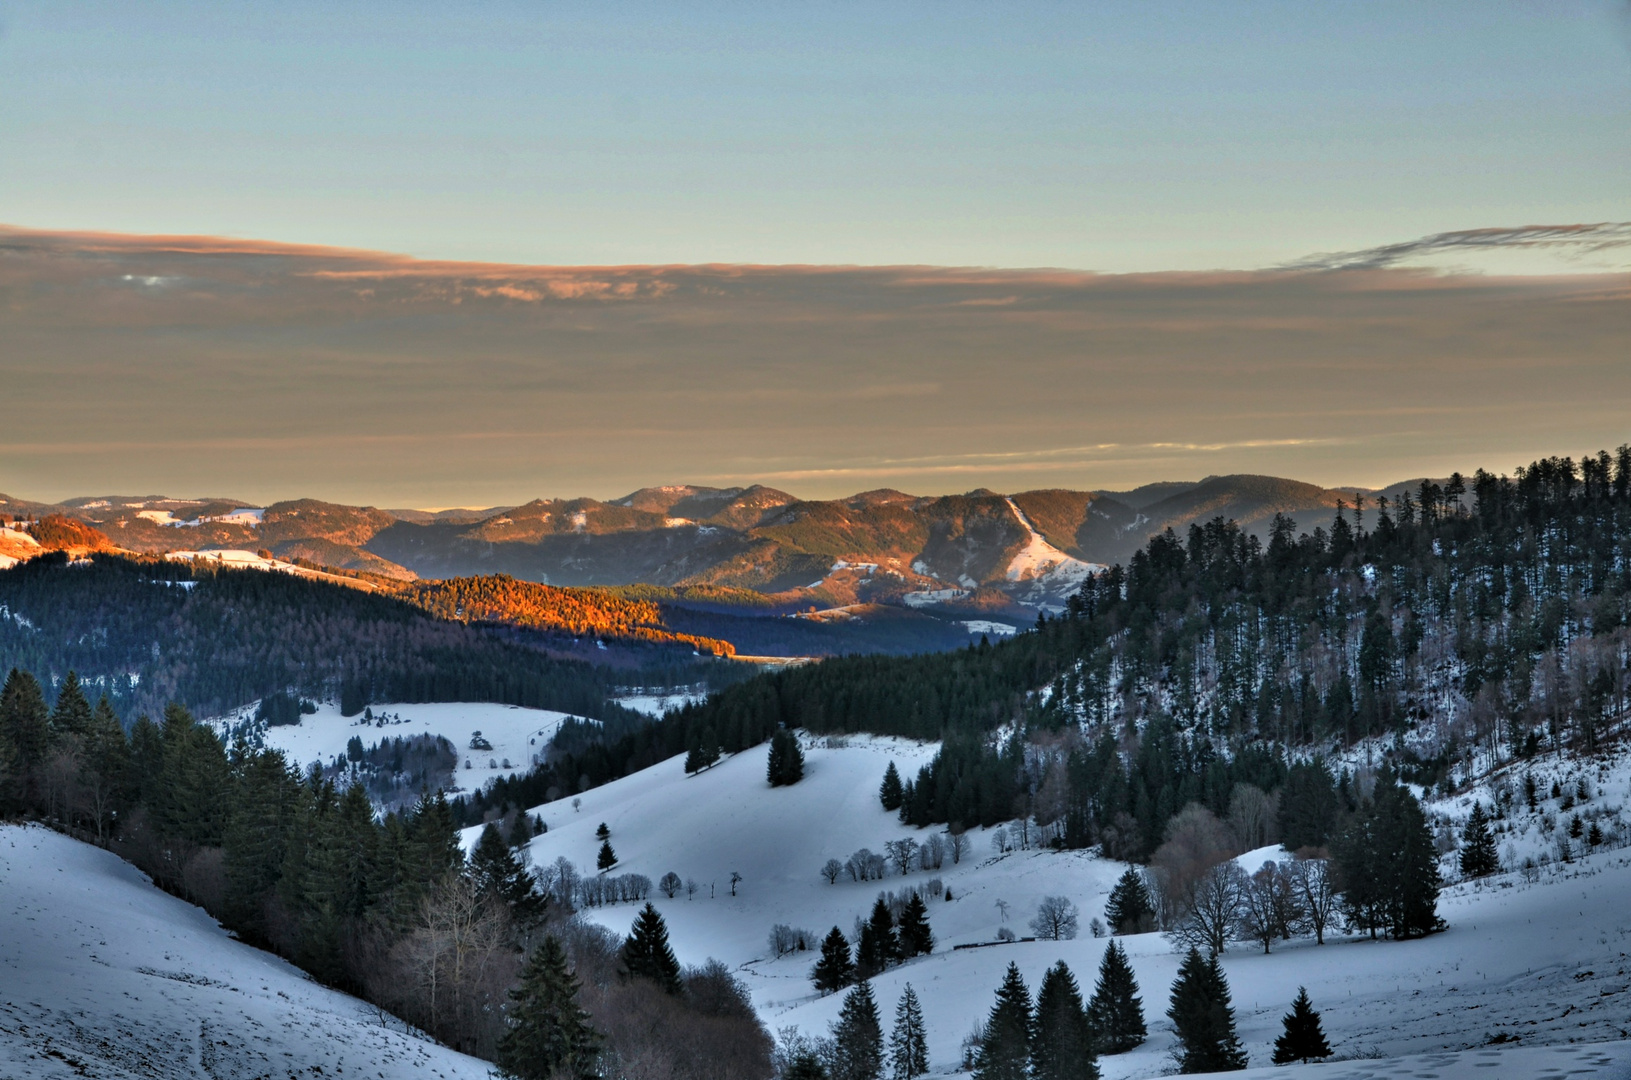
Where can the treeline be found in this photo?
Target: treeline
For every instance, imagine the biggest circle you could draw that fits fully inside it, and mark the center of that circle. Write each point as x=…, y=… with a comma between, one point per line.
x=1486, y=616
x=148, y=631
x=386, y=908
x=600, y=613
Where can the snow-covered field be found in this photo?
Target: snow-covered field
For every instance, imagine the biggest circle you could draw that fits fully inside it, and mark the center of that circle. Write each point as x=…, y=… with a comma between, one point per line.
x=658, y=704
x=516, y=734
x=103, y=975
x=1543, y=962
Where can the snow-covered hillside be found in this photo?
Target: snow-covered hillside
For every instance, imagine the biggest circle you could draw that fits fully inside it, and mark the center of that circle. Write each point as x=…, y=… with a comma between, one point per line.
x=1544, y=962
x=516, y=735
x=103, y=975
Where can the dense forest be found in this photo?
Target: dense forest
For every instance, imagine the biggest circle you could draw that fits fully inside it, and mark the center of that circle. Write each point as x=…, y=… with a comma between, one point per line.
x=1462, y=623
x=149, y=631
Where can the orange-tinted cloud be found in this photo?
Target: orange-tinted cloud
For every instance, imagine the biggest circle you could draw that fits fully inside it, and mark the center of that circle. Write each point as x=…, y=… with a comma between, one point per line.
x=206, y=364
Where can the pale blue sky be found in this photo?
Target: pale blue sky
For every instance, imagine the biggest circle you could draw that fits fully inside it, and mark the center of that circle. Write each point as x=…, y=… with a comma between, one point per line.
x=1099, y=136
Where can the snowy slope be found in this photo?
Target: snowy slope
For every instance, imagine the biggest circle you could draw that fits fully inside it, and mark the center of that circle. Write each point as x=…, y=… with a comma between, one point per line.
x=1543, y=962
x=103, y=975
x=516, y=734
x=1050, y=572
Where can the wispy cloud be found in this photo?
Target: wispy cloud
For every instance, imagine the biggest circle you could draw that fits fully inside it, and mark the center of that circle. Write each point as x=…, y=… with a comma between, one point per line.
x=1568, y=239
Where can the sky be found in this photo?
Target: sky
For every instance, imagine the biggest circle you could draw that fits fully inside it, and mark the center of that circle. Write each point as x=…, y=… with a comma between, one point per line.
x=1225, y=188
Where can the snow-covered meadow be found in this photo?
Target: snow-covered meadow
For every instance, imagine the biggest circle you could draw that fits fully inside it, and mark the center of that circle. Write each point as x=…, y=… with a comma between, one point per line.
x=1542, y=962
x=516, y=735
x=103, y=975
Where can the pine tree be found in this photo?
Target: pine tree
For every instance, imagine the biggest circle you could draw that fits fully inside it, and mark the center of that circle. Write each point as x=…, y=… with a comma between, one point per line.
x=548, y=1036
x=914, y=934
x=1203, y=1018
x=1005, y=1051
x=786, y=762
x=833, y=971
x=603, y=831
x=878, y=947
x=607, y=857
x=1116, y=1012
x=1304, y=1040
x=891, y=793
x=72, y=714
x=1129, y=910
x=104, y=768
x=1063, y=1046
x=647, y=955
x=909, y=1042
x=25, y=737
x=857, y=1052
x=1478, y=853
x=499, y=875
x=804, y=1065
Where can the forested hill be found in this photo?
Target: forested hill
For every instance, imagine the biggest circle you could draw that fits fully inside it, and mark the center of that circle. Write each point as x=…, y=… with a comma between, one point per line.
x=147, y=632
x=1474, y=620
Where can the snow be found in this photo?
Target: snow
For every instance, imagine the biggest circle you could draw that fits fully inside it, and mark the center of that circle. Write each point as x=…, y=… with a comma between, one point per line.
x=933, y=596
x=104, y=975
x=1040, y=561
x=1542, y=962
x=18, y=536
x=241, y=516
x=658, y=704
x=517, y=734
x=989, y=628
x=7, y=562
x=236, y=558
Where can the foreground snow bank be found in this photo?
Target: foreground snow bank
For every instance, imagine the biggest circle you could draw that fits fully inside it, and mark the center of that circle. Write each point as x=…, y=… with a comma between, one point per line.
x=102, y=974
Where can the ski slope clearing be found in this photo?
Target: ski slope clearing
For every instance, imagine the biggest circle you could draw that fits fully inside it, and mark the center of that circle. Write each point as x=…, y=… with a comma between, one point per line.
x=104, y=975
x=1542, y=962
x=515, y=734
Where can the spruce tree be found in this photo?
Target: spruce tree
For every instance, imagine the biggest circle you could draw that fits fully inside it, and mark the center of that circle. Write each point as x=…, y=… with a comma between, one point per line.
x=1115, y=1012
x=1478, y=854
x=891, y=794
x=548, y=1036
x=834, y=970
x=25, y=738
x=1005, y=1051
x=804, y=1065
x=72, y=714
x=500, y=877
x=1203, y=1018
x=1063, y=1046
x=1129, y=910
x=857, y=1051
x=1303, y=1040
x=603, y=831
x=607, y=857
x=909, y=1041
x=785, y=764
x=647, y=955
x=916, y=939
x=878, y=947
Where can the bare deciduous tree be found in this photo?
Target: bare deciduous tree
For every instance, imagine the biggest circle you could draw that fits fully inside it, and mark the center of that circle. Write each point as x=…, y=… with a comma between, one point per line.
x=831, y=869
x=1056, y=919
x=1311, y=878
x=670, y=884
x=957, y=840
x=1214, y=908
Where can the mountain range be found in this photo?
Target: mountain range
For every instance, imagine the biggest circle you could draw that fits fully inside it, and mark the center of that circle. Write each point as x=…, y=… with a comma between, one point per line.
x=981, y=551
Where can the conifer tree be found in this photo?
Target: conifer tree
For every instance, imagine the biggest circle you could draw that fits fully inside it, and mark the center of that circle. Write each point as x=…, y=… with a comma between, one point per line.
x=914, y=934
x=607, y=857
x=878, y=947
x=1005, y=1051
x=1115, y=1012
x=603, y=831
x=1203, y=1018
x=25, y=737
x=1129, y=910
x=857, y=1051
x=804, y=1065
x=1063, y=1046
x=909, y=1041
x=891, y=794
x=72, y=714
x=834, y=970
x=647, y=955
x=1478, y=853
x=785, y=764
x=104, y=771
x=549, y=1037
x=499, y=875
x=1304, y=1039
x=264, y=797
